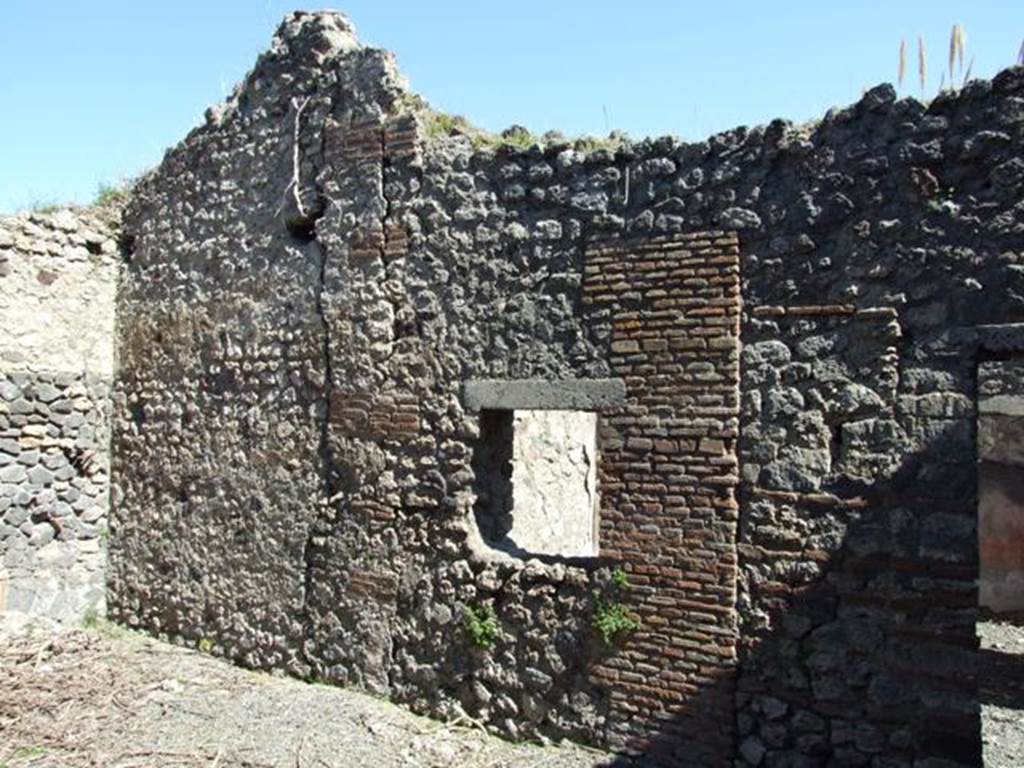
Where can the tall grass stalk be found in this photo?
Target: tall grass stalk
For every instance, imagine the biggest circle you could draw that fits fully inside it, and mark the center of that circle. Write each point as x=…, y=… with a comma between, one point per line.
x=957, y=44
x=903, y=62
x=922, y=63
x=955, y=75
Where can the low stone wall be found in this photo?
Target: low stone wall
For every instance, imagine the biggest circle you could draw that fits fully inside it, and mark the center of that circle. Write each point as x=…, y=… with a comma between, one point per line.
x=57, y=282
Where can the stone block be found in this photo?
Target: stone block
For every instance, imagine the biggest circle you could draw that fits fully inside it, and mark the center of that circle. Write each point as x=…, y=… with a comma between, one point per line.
x=539, y=394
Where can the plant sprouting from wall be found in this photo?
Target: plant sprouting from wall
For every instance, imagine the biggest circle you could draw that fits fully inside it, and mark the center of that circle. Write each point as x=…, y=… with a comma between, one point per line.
x=922, y=63
x=112, y=194
x=517, y=136
x=611, y=620
x=619, y=579
x=91, y=617
x=955, y=75
x=481, y=626
x=440, y=124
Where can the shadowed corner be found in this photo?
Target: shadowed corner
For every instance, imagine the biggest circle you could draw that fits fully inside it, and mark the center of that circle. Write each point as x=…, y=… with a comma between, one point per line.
x=849, y=664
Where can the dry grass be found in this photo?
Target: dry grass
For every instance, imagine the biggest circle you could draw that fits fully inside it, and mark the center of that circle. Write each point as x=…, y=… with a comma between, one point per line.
x=957, y=41
x=903, y=62
x=922, y=63
x=111, y=698
x=957, y=73
x=42, y=717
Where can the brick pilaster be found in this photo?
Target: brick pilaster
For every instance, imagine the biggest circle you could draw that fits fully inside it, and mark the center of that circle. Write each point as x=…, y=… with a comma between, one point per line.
x=668, y=488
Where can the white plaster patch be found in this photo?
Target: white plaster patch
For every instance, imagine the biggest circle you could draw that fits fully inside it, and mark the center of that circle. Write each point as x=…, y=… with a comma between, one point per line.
x=554, y=482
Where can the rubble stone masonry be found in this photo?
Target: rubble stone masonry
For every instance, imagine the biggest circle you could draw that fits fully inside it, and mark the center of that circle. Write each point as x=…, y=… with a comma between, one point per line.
x=783, y=333
x=57, y=279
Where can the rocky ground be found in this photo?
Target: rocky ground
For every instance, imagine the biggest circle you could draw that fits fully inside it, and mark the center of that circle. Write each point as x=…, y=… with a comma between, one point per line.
x=111, y=698
x=106, y=697
x=1002, y=692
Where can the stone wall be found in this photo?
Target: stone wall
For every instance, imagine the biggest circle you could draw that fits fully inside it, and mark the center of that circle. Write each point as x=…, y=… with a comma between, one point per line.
x=57, y=282
x=1001, y=484
x=788, y=491
x=221, y=396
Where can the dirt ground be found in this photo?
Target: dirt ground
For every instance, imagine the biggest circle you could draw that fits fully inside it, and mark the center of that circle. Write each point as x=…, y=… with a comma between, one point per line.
x=1001, y=687
x=111, y=698
x=107, y=697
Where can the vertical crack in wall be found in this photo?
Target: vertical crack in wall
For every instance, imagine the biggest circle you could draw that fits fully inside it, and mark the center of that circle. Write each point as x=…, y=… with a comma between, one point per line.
x=386, y=240
x=384, y=165
x=324, y=449
x=322, y=511
x=321, y=524
x=391, y=667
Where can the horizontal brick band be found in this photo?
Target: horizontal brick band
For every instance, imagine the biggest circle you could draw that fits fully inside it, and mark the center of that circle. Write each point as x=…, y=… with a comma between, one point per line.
x=375, y=417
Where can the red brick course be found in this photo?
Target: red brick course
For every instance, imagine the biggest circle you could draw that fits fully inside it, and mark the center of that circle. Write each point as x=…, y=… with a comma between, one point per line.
x=668, y=488
x=391, y=416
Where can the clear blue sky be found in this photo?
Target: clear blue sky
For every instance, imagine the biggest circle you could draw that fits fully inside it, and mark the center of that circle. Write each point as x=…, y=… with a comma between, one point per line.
x=95, y=90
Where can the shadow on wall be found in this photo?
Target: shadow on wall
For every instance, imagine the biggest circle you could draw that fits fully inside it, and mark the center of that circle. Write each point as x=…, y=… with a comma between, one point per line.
x=1001, y=677
x=874, y=657
x=661, y=748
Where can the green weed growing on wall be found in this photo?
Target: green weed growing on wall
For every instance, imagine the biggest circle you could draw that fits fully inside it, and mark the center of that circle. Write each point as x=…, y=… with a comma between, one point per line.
x=611, y=620
x=481, y=626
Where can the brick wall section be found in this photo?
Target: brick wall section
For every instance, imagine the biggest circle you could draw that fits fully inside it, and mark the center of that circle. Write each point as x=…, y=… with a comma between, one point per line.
x=375, y=417
x=371, y=140
x=381, y=586
x=668, y=479
x=401, y=137
x=367, y=146
x=363, y=140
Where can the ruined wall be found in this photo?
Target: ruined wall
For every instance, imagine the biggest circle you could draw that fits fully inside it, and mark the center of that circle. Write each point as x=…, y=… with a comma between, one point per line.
x=57, y=281
x=1001, y=484
x=314, y=279
x=221, y=399
x=892, y=234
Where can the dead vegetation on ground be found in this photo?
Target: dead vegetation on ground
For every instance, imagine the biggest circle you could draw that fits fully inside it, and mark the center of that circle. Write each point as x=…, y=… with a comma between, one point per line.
x=111, y=698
